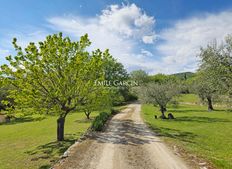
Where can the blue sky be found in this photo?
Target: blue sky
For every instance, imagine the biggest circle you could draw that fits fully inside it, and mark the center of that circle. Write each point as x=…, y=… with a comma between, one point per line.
x=159, y=36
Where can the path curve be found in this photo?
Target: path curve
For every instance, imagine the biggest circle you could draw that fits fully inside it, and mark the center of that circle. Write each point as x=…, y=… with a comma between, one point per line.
x=126, y=144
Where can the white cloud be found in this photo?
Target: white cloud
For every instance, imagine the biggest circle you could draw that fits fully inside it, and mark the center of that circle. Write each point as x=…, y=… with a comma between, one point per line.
x=119, y=28
x=146, y=53
x=148, y=39
x=183, y=41
x=129, y=21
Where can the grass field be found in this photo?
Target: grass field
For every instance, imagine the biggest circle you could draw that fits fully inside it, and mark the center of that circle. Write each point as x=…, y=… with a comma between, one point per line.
x=188, y=98
x=31, y=142
x=206, y=134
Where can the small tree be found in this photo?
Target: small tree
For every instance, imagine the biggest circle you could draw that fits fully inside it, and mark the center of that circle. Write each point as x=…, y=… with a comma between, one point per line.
x=203, y=86
x=54, y=76
x=159, y=94
x=97, y=101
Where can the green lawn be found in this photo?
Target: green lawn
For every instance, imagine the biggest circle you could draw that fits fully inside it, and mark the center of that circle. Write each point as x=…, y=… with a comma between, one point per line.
x=31, y=142
x=206, y=134
x=188, y=98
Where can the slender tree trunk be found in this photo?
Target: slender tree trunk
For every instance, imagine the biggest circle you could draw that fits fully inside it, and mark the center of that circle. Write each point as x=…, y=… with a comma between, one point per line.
x=163, y=109
x=87, y=113
x=60, y=128
x=210, y=104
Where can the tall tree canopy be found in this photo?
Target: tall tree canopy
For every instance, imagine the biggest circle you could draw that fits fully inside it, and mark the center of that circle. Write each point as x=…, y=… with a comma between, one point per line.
x=55, y=75
x=204, y=86
x=216, y=61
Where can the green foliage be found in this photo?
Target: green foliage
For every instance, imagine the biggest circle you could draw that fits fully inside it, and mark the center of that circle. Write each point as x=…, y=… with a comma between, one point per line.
x=100, y=121
x=162, y=78
x=216, y=62
x=139, y=76
x=97, y=101
x=113, y=70
x=204, y=86
x=159, y=94
x=55, y=75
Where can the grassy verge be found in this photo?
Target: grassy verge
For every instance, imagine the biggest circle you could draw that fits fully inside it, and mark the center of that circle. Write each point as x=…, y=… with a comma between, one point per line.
x=206, y=134
x=31, y=142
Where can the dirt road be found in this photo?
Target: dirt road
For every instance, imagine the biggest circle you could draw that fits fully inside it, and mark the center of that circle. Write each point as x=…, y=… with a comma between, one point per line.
x=126, y=144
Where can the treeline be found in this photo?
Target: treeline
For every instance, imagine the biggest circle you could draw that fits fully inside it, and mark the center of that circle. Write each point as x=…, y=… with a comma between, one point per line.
x=212, y=82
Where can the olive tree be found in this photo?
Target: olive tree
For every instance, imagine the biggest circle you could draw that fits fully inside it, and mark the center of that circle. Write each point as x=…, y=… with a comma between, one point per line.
x=204, y=86
x=53, y=76
x=158, y=94
x=216, y=61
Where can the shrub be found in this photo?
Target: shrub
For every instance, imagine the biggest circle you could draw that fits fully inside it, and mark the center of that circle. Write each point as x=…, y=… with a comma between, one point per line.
x=99, y=121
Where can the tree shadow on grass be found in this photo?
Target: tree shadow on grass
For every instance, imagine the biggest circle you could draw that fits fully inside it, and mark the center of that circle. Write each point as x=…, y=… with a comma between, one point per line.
x=51, y=151
x=175, y=134
x=23, y=120
x=187, y=111
x=84, y=120
x=200, y=119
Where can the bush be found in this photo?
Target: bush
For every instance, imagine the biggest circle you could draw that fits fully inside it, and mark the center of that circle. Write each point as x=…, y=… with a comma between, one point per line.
x=99, y=121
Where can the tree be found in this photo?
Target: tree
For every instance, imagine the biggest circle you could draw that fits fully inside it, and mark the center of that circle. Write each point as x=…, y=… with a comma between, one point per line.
x=114, y=71
x=54, y=76
x=139, y=76
x=98, y=100
x=6, y=103
x=159, y=94
x=204, y=87
x=216, y=60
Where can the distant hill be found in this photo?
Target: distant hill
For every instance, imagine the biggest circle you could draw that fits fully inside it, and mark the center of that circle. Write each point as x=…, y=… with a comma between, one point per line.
x=184, y=75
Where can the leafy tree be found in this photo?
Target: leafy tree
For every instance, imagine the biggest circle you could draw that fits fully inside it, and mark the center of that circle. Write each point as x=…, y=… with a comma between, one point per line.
x=5, y=101
x=204, y=87
x=159, y=94
x=115, y=72
x=139, y=76
x=97, y=101
x=216, y=60
x=54, y=76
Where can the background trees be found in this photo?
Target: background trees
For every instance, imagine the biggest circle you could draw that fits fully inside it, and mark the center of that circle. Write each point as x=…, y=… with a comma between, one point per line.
x=139, y=76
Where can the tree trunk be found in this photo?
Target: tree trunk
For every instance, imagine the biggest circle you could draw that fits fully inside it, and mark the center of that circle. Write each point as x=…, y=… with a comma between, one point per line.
x=60, y=129
x=87, y=113
x=163, y=109
x=210, y=104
